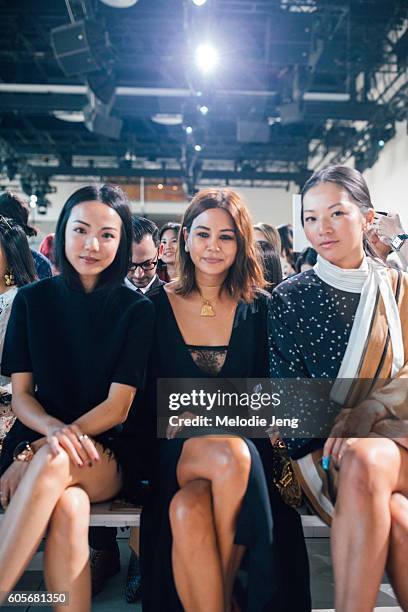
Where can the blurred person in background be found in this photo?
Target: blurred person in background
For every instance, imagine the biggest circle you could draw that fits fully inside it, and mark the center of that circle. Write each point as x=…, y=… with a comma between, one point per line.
x=306, y=260
x=389, y=240
x=13, y=207
x=287, y=257
x=16, y=270
x=168, y=241
x=264, y=232
x=271, y=264
x=46, y=248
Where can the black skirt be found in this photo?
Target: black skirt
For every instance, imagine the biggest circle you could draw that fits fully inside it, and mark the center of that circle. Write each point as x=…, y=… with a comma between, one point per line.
x=275, y=570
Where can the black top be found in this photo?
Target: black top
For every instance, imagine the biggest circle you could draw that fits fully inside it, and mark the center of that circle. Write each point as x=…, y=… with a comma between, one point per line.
x=76, y=344
x=309, y=325
x=246, y=354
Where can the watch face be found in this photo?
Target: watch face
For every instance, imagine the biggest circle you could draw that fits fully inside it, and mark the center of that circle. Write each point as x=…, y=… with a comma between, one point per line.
x=397, y=243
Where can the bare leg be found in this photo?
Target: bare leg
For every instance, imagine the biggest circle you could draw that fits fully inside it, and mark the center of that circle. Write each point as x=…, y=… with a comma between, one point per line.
x=225, y=463
x=38, y=493
x=371, y=470
x=196, y=561
x=66, y=566
x=398, y=560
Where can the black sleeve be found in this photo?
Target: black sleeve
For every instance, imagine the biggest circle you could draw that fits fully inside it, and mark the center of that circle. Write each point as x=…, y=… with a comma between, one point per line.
x=16, y=352
x=131, y=368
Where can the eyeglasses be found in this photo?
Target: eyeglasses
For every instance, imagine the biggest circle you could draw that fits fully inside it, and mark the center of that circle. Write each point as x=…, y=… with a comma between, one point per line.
x=145, y=265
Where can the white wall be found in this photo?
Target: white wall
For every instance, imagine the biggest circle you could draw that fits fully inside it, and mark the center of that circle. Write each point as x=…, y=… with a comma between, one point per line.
x=273, y=206
x=388, y=178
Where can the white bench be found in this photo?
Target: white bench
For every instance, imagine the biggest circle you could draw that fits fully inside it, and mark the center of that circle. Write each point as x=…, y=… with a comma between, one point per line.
x=104, y=515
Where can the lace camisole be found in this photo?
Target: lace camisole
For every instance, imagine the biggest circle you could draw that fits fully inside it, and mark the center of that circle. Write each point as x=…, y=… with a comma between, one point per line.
x=210, y=359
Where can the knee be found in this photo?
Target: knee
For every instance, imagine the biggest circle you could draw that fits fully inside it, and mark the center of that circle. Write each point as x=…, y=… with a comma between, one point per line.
x=365, y=467
x=399, y=521
x=50, y=468
x=71, y=515
x=230, y=457
x=190, y=510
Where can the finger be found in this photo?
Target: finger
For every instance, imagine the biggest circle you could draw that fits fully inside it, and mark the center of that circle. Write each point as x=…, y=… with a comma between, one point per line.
x=54, y=446
x=327, y=448
x=76, y=443
x=347, y=443
x=67, y=445
x=335, y=450
x=89, y=447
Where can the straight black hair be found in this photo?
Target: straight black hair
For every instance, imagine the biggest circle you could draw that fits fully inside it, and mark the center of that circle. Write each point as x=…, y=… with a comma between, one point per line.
x=144, y=227
x=115, y=198
x=16, y=250
x=307, y=256
x=271, y=264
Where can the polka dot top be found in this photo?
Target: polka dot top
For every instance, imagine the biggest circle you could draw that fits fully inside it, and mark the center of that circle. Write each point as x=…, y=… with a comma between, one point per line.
x=309, y=325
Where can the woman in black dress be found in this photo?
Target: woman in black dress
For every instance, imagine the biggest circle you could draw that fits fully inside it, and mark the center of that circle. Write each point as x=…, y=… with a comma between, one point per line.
x=76, y=348
x=214, y=507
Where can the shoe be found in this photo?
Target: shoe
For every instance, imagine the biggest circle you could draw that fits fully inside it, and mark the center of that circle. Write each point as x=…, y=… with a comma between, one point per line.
x=134, y=580
x=104, y=564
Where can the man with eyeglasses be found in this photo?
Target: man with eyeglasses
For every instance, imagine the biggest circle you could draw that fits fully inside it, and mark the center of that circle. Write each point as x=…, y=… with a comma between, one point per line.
x=142, y=277
x=146, y=249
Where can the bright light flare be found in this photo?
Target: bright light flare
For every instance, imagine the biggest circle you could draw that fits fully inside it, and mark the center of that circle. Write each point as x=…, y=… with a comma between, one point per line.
x=206, y=57
x=199, y=2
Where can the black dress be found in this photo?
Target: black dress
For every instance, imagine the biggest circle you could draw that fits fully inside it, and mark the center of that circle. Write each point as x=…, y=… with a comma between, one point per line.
x=309, y=326
x=76, y=344
x=276, y=560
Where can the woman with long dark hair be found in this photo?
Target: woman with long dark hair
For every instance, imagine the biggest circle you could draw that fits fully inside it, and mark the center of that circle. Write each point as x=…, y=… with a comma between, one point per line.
x=347, y=320
x=13, y=207
x=215, y=507
x=168, y=237
x=76, y=349
x=16, y=270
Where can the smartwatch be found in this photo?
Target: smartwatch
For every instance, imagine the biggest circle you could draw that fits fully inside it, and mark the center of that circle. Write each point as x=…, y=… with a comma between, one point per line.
x=398, y=240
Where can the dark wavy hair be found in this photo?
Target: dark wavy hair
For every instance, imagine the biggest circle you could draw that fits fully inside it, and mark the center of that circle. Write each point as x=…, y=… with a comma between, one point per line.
x=245, y=276
x=307, y=256
x=13, y=207
x=16, y=251
x=115, y=198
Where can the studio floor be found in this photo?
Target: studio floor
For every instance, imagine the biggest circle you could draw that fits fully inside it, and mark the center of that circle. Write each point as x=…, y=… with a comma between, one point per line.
x=112, y=598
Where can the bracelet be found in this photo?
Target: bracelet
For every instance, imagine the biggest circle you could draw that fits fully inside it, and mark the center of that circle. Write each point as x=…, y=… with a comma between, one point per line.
x=23, y=452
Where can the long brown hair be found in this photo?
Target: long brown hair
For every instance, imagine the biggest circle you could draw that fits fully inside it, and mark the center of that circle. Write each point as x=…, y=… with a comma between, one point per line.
x=245, y=276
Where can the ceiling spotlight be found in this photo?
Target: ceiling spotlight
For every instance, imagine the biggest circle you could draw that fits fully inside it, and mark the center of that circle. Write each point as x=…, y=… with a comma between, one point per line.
x=160, y=186
x=203, y=109
x=206, y=57
x=198, y=148
x=381, y=143
x=70, y=116
x=199, y=2
x=167, y=119
x=33, y=201
x=119, y=3
x=189, y=129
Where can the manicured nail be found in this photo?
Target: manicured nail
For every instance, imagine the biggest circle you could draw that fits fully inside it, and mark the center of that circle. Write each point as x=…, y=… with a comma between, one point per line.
x=326, y=463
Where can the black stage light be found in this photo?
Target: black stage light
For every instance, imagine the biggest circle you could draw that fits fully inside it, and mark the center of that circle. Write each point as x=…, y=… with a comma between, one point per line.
x=291, y=112
x=98, y=121
x=102, y=83
x=81, y=47
x=252, y=131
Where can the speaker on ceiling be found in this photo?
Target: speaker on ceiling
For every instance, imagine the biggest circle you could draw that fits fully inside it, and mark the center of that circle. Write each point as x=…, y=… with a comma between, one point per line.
x=81, y=47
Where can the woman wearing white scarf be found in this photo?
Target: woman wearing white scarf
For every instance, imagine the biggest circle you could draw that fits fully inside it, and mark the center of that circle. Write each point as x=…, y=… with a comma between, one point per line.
x=348, y=319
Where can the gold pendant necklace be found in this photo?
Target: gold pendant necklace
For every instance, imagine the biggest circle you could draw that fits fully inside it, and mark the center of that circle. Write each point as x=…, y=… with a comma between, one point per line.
x=207, y=309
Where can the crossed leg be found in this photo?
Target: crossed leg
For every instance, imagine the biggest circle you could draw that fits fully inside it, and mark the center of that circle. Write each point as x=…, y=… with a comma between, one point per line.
x=213, y=475
x=57, y=493
x=364, y=526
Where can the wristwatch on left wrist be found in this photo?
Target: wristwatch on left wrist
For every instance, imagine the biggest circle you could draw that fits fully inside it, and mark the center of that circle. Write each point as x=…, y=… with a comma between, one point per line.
x=398, y=240
x=23, y=452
